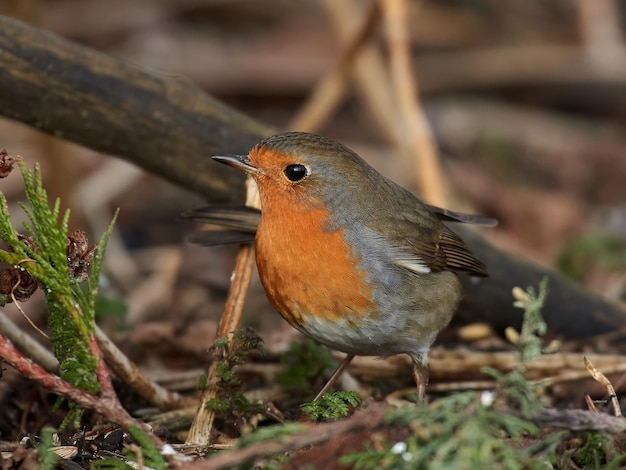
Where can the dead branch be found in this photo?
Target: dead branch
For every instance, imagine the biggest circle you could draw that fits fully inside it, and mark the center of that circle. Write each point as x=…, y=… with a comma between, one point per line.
x=131, y=375
x=463, y=367
x=580, y=420
x=200, y=431
x=164, y=125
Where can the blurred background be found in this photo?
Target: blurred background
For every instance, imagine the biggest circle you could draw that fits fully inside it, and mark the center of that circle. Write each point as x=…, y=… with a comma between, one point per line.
x=525, y=100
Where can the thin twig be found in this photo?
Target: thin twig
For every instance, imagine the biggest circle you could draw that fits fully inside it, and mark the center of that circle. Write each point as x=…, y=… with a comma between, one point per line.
x=600, y=377
x=465, y=366
x=24, y=314
x=590, y=404
x=131, y=375
x=200, y=431
x=107, y=391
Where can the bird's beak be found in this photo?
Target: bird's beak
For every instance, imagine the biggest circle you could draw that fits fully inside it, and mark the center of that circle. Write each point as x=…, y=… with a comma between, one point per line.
x=241, y=162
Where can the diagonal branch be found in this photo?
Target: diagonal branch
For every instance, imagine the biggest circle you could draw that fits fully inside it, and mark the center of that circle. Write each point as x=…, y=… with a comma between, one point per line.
x=165, y=125
x=200, y=431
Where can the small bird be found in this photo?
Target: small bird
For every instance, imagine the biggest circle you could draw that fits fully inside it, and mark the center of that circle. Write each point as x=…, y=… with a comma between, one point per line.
x=348, y=257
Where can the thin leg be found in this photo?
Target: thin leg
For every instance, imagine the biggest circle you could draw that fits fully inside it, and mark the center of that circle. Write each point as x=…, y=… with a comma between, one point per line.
x=335, y=376
x=420, y=373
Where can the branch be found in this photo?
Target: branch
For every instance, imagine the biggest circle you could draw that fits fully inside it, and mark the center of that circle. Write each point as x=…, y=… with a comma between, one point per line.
x=164, y=125
x=200, y=431
x=579, y=420
x=131, y=375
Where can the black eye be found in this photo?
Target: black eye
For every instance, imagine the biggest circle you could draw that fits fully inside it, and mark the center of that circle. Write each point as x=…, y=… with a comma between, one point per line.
x=295, y=172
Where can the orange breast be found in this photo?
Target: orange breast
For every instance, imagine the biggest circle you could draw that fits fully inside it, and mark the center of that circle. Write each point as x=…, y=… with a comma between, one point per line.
x=307, y=270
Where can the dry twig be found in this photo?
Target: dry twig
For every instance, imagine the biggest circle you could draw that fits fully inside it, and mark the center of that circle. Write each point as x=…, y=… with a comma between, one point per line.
x=600, y=377
x=200, y=431
x=462, y=367
x=580, y=420
x=128, y=371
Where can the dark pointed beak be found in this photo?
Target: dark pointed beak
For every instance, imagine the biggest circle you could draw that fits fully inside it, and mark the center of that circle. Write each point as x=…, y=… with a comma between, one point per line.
x=241, y=162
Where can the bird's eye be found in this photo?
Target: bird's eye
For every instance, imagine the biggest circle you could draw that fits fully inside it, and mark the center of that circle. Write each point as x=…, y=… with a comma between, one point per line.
x=295, y=172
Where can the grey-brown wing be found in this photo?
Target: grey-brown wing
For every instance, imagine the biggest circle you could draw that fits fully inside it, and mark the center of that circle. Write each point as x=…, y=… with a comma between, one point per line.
x=423, y=241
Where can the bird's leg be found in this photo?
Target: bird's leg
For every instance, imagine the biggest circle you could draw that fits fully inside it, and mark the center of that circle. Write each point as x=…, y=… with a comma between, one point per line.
x=335, y=376
x=420, y=373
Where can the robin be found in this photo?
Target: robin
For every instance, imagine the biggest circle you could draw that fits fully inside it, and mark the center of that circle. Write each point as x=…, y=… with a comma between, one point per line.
x=348, y=257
